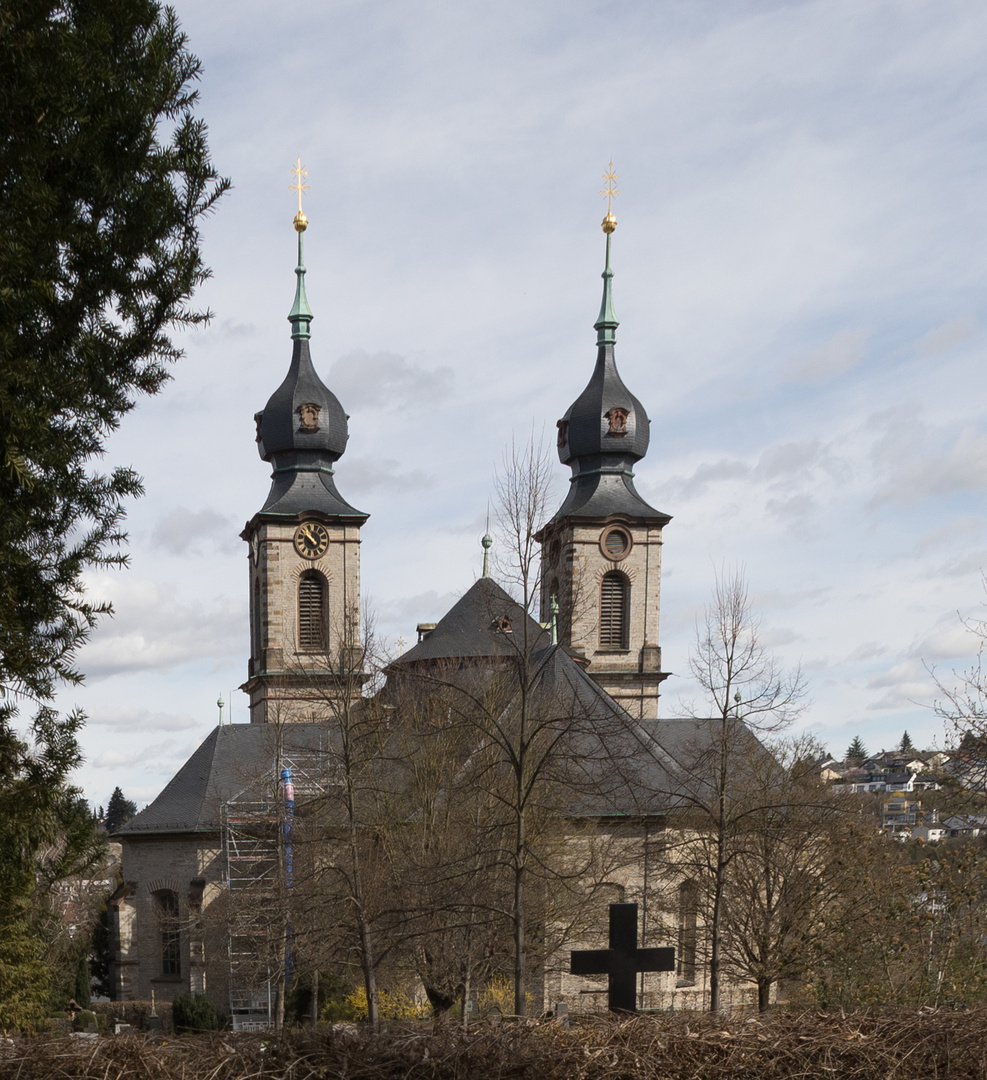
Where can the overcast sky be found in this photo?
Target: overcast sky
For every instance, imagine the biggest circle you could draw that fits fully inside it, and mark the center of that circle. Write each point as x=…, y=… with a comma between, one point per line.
x=800, y=269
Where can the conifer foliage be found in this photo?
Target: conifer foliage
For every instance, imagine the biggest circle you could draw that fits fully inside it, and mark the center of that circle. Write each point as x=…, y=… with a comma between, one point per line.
x=119, y=810
x=104, y=178
x=856, y=751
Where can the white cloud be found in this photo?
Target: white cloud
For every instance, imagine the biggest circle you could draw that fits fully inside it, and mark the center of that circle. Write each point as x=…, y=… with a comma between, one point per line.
x=155, y=629
x=942, y=338
x=868, y=650
x=921, y=463
x=965, y=528
x=189, y=532
x=715, y=472
x=842, y=352
x=384, y=474
x=905, y=685
x=133, y=718
x=149, y=757
x=383, y=380
x=796, y=511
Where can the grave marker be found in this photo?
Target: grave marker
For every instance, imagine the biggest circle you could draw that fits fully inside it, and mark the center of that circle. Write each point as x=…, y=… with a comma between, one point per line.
x=623, y=960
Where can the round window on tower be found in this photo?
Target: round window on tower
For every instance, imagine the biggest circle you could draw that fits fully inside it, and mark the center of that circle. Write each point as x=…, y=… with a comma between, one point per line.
x=615, y=543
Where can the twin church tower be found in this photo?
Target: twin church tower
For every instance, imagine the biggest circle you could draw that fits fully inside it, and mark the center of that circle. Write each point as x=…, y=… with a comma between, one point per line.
x=600, y=553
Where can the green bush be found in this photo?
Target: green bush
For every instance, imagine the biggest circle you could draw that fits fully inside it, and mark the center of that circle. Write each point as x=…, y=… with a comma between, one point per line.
x=194, y=1014
x=85, y=1020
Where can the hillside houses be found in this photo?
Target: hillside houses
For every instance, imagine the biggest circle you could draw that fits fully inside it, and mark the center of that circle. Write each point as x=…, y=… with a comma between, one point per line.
x=904, y=783
x=887, y=771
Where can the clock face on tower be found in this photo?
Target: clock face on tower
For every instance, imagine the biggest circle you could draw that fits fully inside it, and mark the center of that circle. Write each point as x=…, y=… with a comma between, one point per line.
x=311, y=540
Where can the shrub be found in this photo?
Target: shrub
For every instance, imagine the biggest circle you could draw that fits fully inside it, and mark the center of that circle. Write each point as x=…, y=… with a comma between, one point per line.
x=85, y=1020
x=393, y=1005
x=194, y=1014
x=499, y=995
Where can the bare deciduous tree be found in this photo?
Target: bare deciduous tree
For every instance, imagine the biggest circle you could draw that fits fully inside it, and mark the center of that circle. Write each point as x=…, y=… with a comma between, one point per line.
x=787, y=876
x=746, y=692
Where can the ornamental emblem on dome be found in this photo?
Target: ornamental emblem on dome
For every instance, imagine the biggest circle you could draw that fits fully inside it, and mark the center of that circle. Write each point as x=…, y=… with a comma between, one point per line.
x=617, y=419
x=563, y=426
x=309, y=417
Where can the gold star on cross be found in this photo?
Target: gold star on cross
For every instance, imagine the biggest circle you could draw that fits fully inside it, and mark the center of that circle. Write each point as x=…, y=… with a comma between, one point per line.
x=610, y=190
x=298, y=186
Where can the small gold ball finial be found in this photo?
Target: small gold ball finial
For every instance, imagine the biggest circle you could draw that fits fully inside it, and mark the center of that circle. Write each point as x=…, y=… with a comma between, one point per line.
x=301, y=221
x=610, y=222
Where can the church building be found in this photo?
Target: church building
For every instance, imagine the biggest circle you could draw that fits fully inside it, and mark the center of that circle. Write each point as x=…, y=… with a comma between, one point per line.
x=597, y=635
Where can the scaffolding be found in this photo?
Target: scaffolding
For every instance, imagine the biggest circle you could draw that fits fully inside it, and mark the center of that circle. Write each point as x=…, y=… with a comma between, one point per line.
x=252, y=856
x=256, y=837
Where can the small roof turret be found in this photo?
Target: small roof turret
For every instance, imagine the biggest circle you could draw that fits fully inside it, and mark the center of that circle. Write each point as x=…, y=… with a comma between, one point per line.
x=302, y=431
x=606, y=429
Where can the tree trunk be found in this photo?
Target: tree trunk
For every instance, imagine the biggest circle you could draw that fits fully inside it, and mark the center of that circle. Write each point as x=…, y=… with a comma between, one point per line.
x=715, y=935
x=763, y=994
x=369, y=978
x=716, y=923
x=520, y=952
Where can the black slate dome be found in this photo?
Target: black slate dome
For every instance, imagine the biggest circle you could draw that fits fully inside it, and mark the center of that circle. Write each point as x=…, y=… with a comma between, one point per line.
x=605, y=419
x=303, y=414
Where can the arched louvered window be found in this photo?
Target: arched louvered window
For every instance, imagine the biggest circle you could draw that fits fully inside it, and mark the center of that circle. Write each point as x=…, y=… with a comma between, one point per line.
x=312, y=611
x=614, y=595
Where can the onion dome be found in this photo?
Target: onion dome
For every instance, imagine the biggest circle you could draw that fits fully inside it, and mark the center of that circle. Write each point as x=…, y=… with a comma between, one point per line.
x=606, y=429
x=302, y=431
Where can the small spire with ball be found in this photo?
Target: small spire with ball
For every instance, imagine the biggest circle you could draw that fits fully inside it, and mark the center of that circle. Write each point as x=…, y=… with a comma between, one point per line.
x=301, y=221
x=609, y=222
x=301, y=314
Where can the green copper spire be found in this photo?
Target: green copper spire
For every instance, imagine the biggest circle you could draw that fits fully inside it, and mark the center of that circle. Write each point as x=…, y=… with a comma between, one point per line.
x=301, y=314
x=606, y=325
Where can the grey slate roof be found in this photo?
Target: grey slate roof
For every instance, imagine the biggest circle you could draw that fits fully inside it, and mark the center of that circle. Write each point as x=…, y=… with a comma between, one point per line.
x=233, y=760
x=630, y=766
x=469, y=629
x=618, y=766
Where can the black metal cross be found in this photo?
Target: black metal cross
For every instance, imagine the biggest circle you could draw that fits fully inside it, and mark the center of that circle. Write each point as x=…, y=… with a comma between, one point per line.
x=623, y=960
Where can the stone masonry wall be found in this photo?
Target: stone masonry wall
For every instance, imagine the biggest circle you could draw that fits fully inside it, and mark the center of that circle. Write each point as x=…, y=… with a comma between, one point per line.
x=173, y=864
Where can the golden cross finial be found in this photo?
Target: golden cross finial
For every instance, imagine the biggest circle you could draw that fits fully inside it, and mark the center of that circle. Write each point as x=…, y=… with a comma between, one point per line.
x=298, y=186
x=610, y=190
x=301, y=221
x=610, y=222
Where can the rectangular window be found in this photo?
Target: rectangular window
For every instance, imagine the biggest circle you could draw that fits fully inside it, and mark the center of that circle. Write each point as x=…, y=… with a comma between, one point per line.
x=171, y=946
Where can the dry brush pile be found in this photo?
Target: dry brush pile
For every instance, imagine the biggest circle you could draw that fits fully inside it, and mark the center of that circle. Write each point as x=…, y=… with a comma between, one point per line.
x=861, y=1046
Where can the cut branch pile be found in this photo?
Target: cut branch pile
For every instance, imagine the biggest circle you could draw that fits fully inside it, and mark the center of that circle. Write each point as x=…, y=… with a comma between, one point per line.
x=860, y=1046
